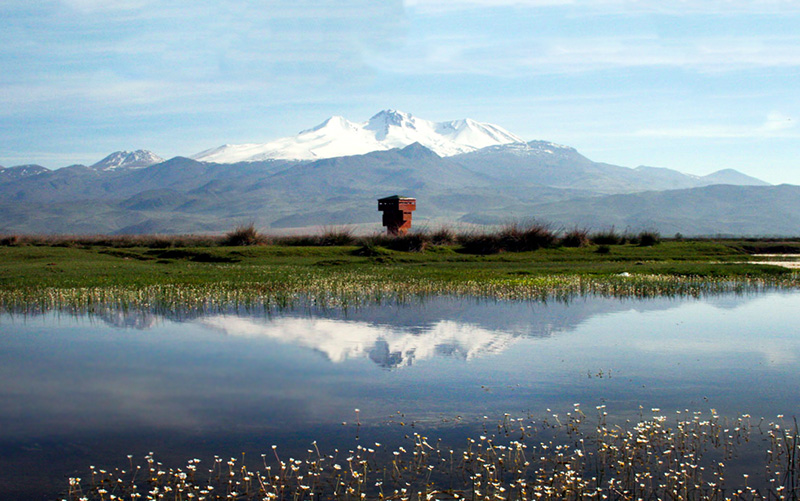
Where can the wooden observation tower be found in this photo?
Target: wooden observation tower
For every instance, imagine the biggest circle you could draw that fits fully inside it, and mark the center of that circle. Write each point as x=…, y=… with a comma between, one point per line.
x=397, y=213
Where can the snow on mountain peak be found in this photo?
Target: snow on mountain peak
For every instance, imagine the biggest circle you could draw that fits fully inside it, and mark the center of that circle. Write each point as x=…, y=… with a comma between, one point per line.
x=335, y=122
x=387, y=118
x=20, y=171
x=138, y=159
x=385, y=130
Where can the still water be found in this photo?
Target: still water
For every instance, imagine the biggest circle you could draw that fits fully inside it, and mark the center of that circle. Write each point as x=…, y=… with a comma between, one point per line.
x=83, y=390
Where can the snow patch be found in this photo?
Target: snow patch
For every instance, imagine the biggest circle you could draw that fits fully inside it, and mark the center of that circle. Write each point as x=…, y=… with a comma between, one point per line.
x=388, y=129
x=138, y=159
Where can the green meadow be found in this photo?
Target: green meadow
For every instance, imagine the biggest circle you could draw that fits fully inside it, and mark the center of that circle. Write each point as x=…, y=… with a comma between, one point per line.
x=72, y=273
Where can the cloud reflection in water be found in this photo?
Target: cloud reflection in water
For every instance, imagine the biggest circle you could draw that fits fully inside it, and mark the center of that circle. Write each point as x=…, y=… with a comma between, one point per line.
x=386, y=345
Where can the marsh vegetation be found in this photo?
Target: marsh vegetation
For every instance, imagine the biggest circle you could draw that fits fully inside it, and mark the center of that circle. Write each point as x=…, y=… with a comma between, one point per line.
x=686, y=456
x=335, y=267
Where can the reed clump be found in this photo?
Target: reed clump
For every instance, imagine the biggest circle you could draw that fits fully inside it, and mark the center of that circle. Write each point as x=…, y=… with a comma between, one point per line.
x=340, y=235
x=443, y=236
x=328, y=237
x=576, y=237
x=512, y=237
x=608, y=236
x=114, y=241
x=648, y=238
x=242, y=235
x=691, y=456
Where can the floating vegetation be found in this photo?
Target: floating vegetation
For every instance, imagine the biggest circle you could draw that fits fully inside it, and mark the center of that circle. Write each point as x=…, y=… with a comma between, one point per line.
x=353, y=289
x=689, y=456
x=303, y=288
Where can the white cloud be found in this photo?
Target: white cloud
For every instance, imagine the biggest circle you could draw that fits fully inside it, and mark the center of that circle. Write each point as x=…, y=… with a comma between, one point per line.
x=107, y=93
x=532, y=56
x=342, y=340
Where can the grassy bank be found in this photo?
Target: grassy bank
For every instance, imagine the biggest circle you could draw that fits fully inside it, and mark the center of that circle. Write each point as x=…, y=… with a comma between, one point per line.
x=80, y=273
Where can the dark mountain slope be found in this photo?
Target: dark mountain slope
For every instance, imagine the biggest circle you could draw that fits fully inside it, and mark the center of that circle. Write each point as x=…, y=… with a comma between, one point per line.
x=547, y=164
x=711, y=210
x=492, y=185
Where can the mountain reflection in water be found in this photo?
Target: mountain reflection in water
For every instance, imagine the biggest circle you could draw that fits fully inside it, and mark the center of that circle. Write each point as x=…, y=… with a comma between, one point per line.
x=388, y=346
x=399, y=335
x=130, y=381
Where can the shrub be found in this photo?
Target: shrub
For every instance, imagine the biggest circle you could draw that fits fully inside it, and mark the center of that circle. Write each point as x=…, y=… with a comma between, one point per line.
x=115, y=241
x=298, y=240
x=9, y=240
x=443, y=236
x=576, y=237
x=337, y=236
x=479, y=243
x=607, y=237
x=411, y=242
x=512, y=237
x=603, y=249
x=529, y=237
x=243, y=235
x=648, y=238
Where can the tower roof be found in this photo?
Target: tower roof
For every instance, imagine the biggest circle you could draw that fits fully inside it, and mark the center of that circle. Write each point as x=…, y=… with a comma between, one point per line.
x=395, y=197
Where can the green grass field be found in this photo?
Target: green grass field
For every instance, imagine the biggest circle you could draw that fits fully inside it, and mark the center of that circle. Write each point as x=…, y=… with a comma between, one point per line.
x=93, y=266
x=83, y=274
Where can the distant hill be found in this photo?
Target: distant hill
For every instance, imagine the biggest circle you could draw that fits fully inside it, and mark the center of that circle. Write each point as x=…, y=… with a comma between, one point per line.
x=709, y=210
x=731, y=176
x=11, y=174
x=490, y=185
x=550, y=164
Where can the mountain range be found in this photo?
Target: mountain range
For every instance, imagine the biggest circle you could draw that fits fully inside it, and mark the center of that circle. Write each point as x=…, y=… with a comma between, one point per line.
x=462, y=172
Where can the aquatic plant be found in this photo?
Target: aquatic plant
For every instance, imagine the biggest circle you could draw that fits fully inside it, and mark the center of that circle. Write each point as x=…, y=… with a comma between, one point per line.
x=301, y=287
x=693, y=456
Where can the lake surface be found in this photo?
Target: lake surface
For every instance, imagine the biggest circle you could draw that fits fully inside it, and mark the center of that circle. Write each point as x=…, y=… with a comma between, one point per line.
x=89, y=389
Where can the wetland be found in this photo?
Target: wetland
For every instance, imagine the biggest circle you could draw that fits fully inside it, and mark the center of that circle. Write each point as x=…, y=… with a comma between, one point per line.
x=558, y=362
x=84, y=389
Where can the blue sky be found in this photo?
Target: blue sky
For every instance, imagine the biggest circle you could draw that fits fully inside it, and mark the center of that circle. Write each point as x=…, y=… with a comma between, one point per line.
x=691, y=85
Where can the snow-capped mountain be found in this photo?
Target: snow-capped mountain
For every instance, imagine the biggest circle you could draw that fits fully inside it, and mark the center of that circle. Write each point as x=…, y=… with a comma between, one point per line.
x=21, y=171
x=337, y=137
x=531, y=148
x=128, y=160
